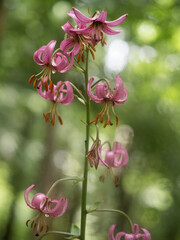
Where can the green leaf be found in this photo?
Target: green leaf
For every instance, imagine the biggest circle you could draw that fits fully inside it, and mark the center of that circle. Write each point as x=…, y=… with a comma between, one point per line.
x=75, y=229
x=94, y=207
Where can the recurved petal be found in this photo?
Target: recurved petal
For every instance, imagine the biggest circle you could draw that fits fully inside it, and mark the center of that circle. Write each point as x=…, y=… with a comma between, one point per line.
x=83, y=30
x=59, y=209
x=119, y=88
x=116, y=146
x=116, y=22
x=26, y=196
x=47, y=54
x=110, y=31
x=68, y=44
x=135, y=228
x=129, y=237
x=59, y=62
x=37, y=55
x=69, y=96
x=111, y=232
x=121, y=94
x=109, y=158
x=121, y=155
x=102, y=17
x=101, y=90
x=45, y=94
x=67, y=27
x=146, y=233
x=119, y=235
x=122, y=100
x=90, y=94
x=81, y=16
x=68, y=67
x=79, y=23
x=39, y=201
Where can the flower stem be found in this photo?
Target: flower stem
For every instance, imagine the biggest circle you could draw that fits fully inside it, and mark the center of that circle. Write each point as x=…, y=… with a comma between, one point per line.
x=84, y=186
x=58, y=232
x=77, y=179
x=116, y=211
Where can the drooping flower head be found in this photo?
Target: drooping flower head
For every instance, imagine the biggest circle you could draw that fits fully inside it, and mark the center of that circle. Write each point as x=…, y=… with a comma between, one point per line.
x=44, y=206
x=50, y=62
x=94, y=154
x=105, y=95
x=76, y=42
x=129, y=236
x=113, y=159
x=98, y=25
x=62, y=93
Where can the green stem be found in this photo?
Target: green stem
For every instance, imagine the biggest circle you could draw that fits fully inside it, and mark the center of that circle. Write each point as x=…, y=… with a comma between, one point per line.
x=84, y=186
x=116, y=211
x=77, y=179
x=58, y=232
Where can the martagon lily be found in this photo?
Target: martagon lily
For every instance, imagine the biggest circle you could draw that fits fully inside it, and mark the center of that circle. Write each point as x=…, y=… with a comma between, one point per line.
x=98, y=25
x=114, y=159
x=105, y=95
x=44, y=206
x=76, y=42
x=50, y=62
x=129, y=236
x=62, y=93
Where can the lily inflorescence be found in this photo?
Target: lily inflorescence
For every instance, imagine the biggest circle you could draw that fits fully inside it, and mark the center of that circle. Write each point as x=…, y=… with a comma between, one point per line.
x=81, y=39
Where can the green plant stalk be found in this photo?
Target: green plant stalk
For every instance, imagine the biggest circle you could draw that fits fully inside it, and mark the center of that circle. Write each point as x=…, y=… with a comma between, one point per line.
x=84, y=185
x=116, y=211
x=76, y=179
x=58, y=232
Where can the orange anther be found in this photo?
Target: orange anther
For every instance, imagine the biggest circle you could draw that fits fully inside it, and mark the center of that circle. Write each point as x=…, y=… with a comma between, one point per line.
x=31, y=78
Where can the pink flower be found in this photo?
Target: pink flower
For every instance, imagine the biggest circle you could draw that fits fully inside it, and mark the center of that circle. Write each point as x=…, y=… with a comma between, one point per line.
x=44, y=205
x=98, y=25
x=105, y=95
x=129, y=236
x=114, y=158
x=56, y=62
x=76, y=43
x=62, y=93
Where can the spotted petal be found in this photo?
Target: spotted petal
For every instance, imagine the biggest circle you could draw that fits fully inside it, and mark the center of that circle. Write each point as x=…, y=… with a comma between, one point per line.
x=102, y=17
x=111, y=232
x=81, y=16
x=59, y=209
x=110, y=31
x=117, y=21
x=69, y=97
x=90, y=94
x=47, y=54
x=26, y=196
x=38, y=54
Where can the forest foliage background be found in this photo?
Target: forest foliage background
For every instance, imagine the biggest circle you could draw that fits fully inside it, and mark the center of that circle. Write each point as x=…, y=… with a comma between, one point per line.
x=146, y=56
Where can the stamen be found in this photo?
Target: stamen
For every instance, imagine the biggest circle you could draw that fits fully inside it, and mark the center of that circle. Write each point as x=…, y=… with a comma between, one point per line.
x=117, y=119
x=47, y=116
x=51, y=86
x=53, y=118
x=93, y=56
x=46, y=86
x=60, y=119
x=35, y=83
x=35, y=225
x=31, y=78
x=82, y=57
x=32, y=223
x=27, y=222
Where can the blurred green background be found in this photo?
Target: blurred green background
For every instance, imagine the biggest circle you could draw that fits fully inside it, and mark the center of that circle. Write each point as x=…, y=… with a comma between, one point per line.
x=146, y=56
